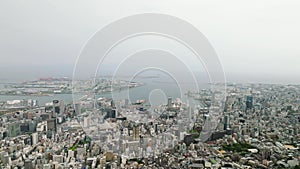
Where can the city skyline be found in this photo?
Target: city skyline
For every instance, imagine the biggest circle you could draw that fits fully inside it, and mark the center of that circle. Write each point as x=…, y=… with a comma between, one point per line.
x=147, y=84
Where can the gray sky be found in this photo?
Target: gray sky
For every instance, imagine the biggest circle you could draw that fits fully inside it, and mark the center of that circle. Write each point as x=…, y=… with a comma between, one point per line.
x=257, y=41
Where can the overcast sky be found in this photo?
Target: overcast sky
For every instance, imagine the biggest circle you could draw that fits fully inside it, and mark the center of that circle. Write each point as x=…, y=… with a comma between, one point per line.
x=257, y=41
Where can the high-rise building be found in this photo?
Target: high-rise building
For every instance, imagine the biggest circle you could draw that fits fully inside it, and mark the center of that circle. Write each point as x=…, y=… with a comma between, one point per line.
x=169, y=102
x=61, y=107
x=34, y=138
x=112, y=104
x=249, y=102
x=111, y=114
x=136, y=132
x=13, y=129
x=226, y=122
x=51, y=124
x=86, y=121
x=77, y=108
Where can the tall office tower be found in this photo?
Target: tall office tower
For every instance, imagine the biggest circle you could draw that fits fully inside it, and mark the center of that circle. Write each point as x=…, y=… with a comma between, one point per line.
x=136, y=133
x=77, y=108
x=249, y=102
x=34, y=103
x=13, y=129
x=226, y=122
x=226, y=104
x=34, y=138
x=30, y=102
x=86, y=121
x=190, y=114
x=112, y=104
x=51, y=125
x=56, y=107
x=113, y=113
x=61, y=107
x=169, y=102
x=156, y=127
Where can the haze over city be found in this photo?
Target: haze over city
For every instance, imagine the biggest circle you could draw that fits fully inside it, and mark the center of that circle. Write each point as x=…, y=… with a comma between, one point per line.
x=256, y=41
x=142, y=84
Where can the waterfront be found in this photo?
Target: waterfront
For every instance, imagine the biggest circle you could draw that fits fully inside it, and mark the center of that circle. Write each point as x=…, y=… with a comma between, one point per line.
x=142, y=92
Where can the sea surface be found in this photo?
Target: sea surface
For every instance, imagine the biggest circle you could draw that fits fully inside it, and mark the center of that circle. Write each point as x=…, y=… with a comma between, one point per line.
x=154, y=90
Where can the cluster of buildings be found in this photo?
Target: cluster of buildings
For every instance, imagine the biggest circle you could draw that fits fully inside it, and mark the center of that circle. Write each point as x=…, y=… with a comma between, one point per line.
x=102, y=85
x=52, y=86
x=252, y=126
x=42, y=86
x=18, y=104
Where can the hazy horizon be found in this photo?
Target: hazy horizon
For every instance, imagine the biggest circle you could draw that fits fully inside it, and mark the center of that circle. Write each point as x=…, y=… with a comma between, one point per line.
x=255, y=41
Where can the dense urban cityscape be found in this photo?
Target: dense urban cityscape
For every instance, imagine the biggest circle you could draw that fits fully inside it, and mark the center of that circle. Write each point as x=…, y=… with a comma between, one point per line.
x=139, y=84
x=256, y=126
